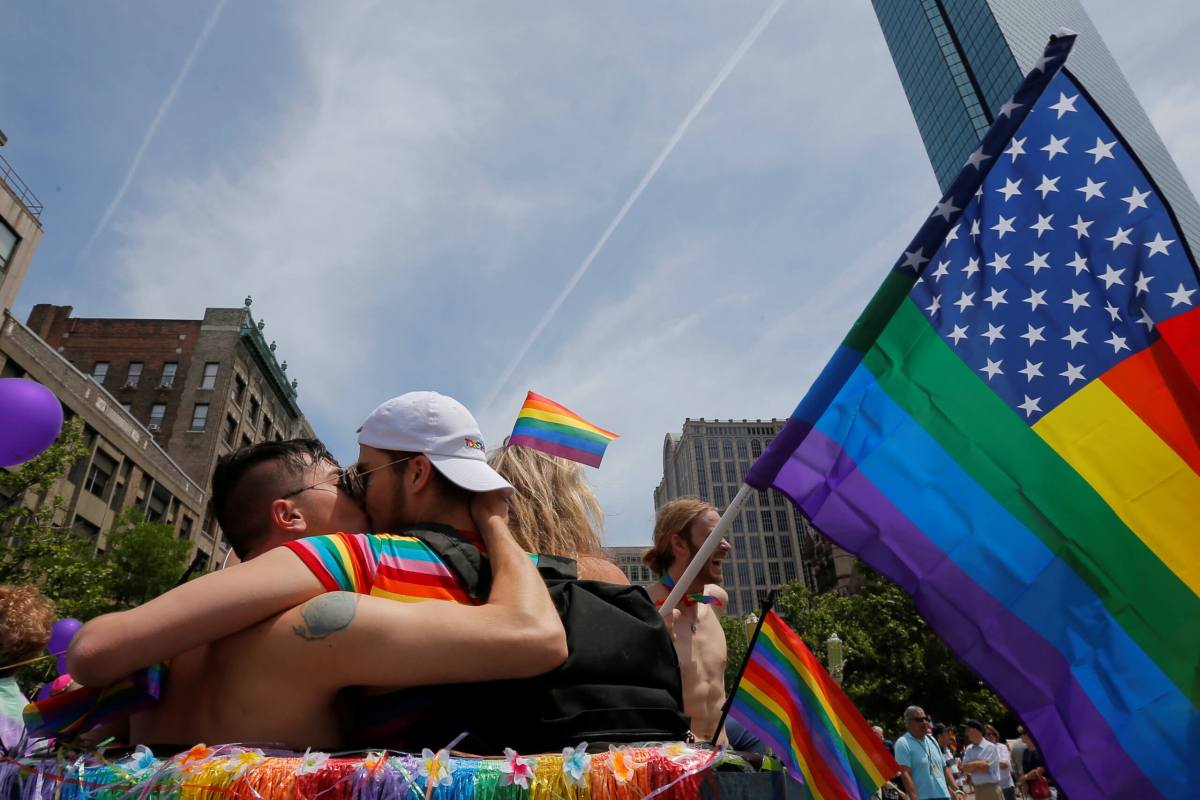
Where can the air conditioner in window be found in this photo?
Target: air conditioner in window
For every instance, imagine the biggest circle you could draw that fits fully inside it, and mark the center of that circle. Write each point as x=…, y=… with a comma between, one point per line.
x=154, y=427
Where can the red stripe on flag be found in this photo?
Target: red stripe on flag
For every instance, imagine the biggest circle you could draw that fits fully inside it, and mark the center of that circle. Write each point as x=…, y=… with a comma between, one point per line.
x=1157, y=386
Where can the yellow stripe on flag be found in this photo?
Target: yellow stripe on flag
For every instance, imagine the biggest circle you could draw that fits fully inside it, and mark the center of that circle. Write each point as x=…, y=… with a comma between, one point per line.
x=1142, y=479
x=561, y=419
x=781, y=714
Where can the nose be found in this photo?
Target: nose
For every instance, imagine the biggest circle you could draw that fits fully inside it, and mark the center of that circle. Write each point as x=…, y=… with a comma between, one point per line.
x=725, y=546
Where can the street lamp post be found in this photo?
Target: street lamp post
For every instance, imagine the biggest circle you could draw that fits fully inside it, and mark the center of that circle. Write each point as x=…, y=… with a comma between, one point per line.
x=835, y=657
x=751, y=623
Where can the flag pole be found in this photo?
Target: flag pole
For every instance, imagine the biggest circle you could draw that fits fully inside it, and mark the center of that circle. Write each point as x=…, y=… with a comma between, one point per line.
x=706, y=550
x=767, y=604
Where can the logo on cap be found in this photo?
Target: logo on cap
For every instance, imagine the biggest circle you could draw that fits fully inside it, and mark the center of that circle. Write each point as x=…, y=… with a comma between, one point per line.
x=474, y=444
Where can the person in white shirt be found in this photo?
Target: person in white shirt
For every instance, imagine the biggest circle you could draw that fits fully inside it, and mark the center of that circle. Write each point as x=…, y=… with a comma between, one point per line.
x=1007, y=787
x=981, y=761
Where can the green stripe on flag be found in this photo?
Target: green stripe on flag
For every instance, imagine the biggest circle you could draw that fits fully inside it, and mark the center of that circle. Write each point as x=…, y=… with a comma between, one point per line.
x=920, y=372
x=557, y=427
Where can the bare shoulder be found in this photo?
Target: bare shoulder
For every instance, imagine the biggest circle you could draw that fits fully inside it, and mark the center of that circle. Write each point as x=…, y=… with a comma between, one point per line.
x=593, y=568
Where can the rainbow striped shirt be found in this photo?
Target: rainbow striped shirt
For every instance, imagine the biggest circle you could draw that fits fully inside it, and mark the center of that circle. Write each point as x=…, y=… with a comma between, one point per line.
x=389, y=565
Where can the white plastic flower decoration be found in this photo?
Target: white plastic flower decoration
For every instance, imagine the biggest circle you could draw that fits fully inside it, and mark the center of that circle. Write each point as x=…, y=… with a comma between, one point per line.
x=435, y=767
x=576, y=764
x=140, y=761
x=238, y=763
x=312, y=762
x=516, y=769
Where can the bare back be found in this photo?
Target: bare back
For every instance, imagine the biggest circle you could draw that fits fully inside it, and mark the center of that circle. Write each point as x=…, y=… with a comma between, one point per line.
x=234, y=690
x=700, y=645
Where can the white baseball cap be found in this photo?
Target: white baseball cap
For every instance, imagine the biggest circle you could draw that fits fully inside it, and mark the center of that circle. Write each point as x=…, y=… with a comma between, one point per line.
x=442, y=429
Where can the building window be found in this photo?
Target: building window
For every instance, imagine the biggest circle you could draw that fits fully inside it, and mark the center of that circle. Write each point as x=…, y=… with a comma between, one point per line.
x=731, y=475
x=266, y=431
x=712, y=448
x=751, y=522
x=719, y=496
x=100, y=473
x=714, y=469
x=726, y=573
x=747, y=600
x=760, y=576
x=133, y=375
x=239, y=389
x=739, y=546
x=246, y=441
x=727, y=448
x=209, y=380
x=254, y=407
x=199, y=416
x=773, y=569
x=157, y=412
x=8, y=245
x=168, y=375
x=789, y=571
x=185, y=527
x=755, y=448
x=738, y=525
x=743, y=570
x=755, y=547
x=128, y=407
x=768, y=523
x=781, y=519
x=786, y=546
x=228, y=430
x=100, y=372
x=741, y=449
x=772, y=551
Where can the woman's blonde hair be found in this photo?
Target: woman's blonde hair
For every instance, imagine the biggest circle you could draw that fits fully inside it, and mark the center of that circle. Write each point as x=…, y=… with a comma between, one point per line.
x=553, y=510
x=26, y=617
x=673, y=518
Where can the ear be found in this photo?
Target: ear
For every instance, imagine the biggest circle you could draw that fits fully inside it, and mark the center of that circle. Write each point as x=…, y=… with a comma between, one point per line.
x=679, y=546
x=287, y=517
x=419, y=473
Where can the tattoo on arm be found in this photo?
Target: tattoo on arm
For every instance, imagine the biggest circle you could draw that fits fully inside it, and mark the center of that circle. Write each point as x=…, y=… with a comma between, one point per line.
x=326, y=614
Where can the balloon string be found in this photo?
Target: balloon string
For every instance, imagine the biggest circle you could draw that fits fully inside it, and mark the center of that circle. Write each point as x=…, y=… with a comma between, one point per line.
x=30, y=661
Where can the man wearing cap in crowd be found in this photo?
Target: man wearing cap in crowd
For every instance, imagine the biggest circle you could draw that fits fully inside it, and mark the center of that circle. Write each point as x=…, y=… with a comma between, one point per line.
x=981, y=761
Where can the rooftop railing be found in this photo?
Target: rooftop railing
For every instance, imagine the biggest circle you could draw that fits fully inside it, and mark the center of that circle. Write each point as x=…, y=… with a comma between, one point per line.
x=22, y=192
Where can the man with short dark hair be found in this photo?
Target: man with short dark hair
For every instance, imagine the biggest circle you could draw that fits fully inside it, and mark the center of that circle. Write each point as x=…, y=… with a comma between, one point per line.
x=269, y=493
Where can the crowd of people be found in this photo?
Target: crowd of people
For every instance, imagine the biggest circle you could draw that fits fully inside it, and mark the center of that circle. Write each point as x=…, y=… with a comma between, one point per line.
x=936, y=765
x=430, y=587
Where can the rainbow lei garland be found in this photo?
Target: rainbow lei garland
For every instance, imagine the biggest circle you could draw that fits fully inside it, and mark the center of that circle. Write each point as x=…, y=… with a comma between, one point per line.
x=671, y=771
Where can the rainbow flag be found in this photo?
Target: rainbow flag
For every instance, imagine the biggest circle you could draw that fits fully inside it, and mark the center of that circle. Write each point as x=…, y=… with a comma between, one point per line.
x=545, y=425
x=1010, y=433
x=79, y=710
x=788, y=700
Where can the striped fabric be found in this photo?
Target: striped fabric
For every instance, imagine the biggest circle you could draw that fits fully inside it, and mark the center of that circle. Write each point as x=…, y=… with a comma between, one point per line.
x=382, y=565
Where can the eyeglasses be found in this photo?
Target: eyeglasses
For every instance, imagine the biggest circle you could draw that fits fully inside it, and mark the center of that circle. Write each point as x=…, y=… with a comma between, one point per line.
x=350, y=480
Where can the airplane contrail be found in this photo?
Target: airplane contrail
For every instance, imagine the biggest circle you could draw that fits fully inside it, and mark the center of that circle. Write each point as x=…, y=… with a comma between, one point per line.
x=163, y=108
x=730, y=65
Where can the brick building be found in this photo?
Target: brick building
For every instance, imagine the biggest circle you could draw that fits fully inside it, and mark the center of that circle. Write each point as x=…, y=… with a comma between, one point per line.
x=201, y=388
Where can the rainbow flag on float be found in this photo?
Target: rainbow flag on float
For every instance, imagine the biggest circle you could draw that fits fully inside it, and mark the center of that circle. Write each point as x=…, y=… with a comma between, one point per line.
x=1010, y=433
x=547, y=426
x=787, y=699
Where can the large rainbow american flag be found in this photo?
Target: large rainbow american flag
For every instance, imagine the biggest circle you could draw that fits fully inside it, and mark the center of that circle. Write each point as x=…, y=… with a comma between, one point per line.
x=1010, y=433
x=787, y=699
x=552, y=428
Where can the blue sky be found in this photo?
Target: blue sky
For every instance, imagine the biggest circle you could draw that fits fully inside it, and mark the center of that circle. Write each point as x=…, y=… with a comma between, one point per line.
x=406, y=189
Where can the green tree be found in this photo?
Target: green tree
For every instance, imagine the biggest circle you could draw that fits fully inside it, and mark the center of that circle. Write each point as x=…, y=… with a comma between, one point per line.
x=735, y=642
x=61, y=561
x=145, y=559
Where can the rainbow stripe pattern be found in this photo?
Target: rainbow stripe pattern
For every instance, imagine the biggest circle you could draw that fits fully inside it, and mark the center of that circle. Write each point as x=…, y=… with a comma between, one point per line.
x=1009, y=432
x=788, y=700
x=79, y=710
x=545, y=425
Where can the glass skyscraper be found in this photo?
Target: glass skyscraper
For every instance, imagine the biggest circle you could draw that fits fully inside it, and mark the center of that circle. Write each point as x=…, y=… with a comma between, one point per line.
x=959, y=60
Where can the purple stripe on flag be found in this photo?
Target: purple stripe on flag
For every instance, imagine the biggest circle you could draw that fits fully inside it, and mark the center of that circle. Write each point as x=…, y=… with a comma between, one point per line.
x=847, y=507
x=781, y=747
x=562, y=451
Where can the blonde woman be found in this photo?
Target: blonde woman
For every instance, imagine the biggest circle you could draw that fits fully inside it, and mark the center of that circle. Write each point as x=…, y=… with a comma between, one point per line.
x=554, y=510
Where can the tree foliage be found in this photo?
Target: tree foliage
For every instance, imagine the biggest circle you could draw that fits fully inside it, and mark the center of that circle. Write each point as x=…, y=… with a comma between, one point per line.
x=141, y=560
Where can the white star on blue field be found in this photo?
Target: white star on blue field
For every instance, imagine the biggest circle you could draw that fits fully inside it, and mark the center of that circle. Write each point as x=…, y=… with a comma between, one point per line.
x=409, y=192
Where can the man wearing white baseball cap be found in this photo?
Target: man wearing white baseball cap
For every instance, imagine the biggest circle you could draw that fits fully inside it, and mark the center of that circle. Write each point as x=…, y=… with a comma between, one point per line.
x=421, y=458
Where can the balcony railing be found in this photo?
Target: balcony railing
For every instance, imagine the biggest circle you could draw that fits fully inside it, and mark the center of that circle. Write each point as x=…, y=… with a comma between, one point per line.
x=22, y=192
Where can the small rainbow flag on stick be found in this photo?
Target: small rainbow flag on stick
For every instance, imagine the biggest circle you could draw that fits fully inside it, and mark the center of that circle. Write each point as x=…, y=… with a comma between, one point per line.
x=545, y=425
x=787, y=699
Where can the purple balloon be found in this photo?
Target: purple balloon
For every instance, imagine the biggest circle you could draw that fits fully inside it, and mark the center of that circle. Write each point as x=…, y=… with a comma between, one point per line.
x=30, y=420
x=60, y=637
x=44, y=692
